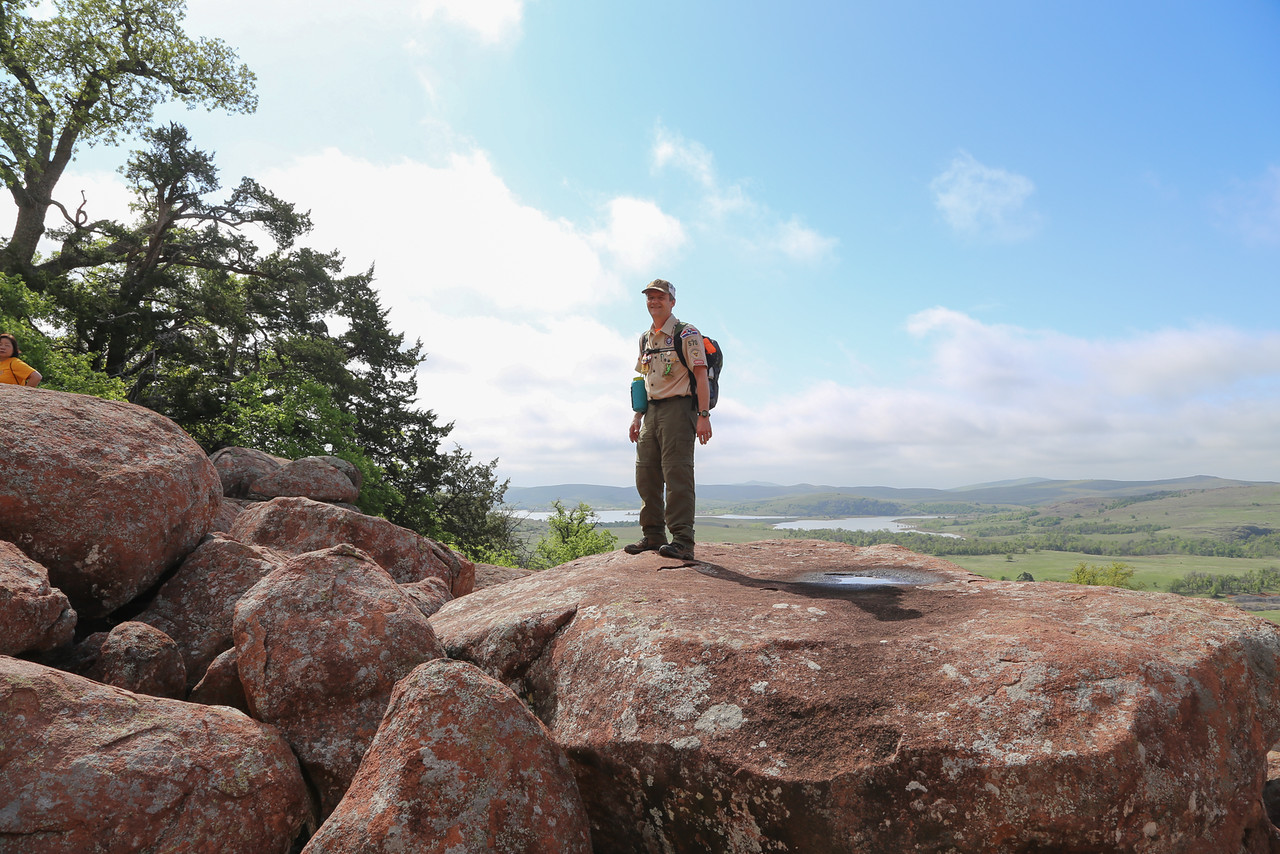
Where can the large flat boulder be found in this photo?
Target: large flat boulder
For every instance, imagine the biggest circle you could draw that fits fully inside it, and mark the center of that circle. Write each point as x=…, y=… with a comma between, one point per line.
x=300, y=525
x=777, y=697
x=88, y=767
x=105, y=495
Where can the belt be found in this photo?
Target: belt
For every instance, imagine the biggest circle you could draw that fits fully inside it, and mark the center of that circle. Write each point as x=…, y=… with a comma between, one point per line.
x=667, y=399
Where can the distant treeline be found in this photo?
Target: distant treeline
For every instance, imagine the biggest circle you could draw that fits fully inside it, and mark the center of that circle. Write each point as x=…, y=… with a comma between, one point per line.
x=1259, y=581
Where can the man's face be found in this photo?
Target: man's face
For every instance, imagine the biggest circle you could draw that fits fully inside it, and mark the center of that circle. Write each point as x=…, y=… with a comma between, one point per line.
x=659, y=305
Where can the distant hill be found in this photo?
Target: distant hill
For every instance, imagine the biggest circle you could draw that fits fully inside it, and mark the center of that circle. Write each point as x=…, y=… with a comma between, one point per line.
x=712, y=497
x=599, y=497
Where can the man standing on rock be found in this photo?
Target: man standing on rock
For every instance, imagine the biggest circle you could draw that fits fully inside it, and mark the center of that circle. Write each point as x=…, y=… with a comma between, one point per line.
x=678, y=410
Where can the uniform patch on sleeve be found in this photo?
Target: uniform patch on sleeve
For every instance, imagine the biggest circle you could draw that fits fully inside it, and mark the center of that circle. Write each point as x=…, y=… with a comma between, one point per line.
x=687, y=331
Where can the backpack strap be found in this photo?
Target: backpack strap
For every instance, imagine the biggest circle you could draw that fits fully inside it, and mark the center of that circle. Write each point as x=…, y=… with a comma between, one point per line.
x=675, y=334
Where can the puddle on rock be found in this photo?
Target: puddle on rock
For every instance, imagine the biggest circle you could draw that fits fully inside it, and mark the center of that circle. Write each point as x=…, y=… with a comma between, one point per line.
x=862, y=578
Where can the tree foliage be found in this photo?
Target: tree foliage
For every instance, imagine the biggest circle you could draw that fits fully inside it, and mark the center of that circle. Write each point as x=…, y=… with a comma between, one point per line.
x=1114, y=574
x=94, y=72
x=1266, y=580
x=573, y=535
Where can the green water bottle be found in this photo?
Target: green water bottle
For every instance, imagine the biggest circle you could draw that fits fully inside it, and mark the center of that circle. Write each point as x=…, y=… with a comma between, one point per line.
x=639, y=397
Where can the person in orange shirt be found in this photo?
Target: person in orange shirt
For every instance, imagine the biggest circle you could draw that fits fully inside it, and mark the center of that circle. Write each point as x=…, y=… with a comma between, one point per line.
x=13, y=370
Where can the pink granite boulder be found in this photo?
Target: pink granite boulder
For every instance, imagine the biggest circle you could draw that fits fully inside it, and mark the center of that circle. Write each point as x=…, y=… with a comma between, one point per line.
x=799, y=695
x=317, y=478
x=230, y=509
x=459, y=764
x=320, y=643
x=429, y=594
x=106, y=495
x=299, y=525
x=488, y=575
x=141, y=659
x=34, y=617
x=220, y=685
x=196, y=606
x=86, y=767
x=239, y=468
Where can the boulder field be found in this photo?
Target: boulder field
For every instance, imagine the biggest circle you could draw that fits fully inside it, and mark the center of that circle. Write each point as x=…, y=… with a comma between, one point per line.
x=224, y=654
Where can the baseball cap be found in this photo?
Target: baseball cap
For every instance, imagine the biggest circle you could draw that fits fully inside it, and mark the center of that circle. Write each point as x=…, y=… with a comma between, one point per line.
x=660, y=285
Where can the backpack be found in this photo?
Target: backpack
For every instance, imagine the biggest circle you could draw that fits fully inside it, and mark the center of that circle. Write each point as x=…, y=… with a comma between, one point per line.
x=715, y=361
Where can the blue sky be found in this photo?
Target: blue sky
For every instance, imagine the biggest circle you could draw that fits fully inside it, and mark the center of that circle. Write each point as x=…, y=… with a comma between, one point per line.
x=942, y=243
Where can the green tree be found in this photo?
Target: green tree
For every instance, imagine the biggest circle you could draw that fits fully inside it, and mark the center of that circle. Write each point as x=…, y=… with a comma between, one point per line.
x=1114, y=574
x=573, y=535
x=93, y=72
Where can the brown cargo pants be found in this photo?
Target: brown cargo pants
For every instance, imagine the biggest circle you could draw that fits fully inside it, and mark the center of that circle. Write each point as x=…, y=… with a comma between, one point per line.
x=664, y=458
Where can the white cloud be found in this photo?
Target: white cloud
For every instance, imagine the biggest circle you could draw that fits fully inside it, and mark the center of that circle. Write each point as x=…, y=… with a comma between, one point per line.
x=453, y=231
x=801, y=243
x=729, y=208
x=639, y=234
x=494, y=21
x=995, y=401
x=692, y=157
x=981, y=201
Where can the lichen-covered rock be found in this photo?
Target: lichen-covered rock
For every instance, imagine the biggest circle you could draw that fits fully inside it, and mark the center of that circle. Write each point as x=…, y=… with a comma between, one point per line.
x=228, y=512
x=239, y=468
x=317, y=478
x=86, y=767
x=771, y=698
x=458, y=765
x=34, y=617
x=428, y=594
x=300, y=525
x=196, y=606
x=104, y=494
x=220, y=685
x=488, y=575
x=141, y=659
x=320, y=643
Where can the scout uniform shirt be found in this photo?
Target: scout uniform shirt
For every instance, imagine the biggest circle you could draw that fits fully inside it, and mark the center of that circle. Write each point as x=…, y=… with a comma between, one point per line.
x=664, y=375
x=14, y=371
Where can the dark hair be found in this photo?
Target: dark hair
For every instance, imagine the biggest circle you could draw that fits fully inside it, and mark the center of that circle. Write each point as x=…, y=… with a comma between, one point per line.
x=13, y=341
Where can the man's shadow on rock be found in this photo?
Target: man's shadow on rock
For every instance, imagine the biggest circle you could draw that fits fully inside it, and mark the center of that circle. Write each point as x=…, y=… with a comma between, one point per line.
x=879, y=600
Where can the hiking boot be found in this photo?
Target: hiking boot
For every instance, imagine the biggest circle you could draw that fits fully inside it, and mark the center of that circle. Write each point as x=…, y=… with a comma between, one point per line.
x=679, y=551
x=644, y=545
